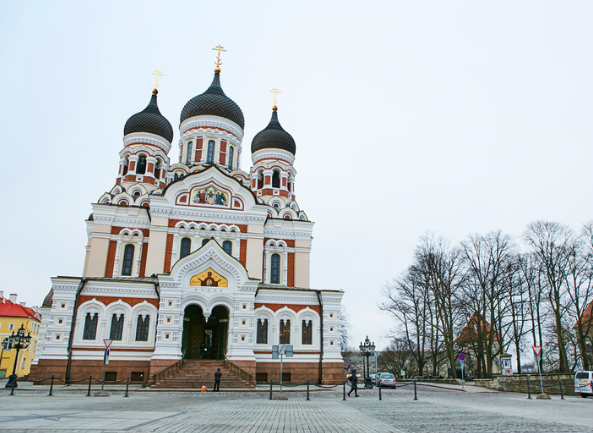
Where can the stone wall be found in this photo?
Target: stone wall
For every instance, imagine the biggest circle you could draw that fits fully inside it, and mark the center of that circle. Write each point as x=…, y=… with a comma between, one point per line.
x=518, y=383
x=300, y=372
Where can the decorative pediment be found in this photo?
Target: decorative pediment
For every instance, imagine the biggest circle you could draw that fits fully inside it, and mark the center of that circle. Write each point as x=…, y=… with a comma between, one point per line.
x=209, y=278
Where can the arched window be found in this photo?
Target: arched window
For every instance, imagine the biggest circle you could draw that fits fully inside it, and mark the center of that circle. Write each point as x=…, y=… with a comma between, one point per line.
x=284, y=331
x=176, y=176
x=185, y=247
x=210, y=154
x=125, y=169
x=205, y=241
x=228, y=247
x=275, y=269
x=188, y=153
x=128, y=261
x=117, y=327
x=231, y=153
x=275, y=179
x=157, y=170
x=307, y=332
x=142, y=328
x=141, y=168
x=262, y=331
x=90, y=326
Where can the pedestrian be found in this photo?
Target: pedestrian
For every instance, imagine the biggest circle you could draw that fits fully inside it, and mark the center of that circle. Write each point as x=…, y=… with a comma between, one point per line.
x=217, y=377
x=203, y=351
x=353, y=383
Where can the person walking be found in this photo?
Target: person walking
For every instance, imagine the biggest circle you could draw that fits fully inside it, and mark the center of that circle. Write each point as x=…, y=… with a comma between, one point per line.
x=203, y=350
x=217, y=377
x=353, y=383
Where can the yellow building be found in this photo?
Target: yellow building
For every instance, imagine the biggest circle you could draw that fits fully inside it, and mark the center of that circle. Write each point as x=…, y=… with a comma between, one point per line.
x=12, y=316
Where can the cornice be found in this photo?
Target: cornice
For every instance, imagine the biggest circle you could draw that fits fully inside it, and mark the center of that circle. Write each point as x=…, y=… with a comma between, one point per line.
x=209, y=122
x=202, y=215
x=272, y=154
x=121, y=221
x=141, y=138
x=275, y=233
x=304, y=299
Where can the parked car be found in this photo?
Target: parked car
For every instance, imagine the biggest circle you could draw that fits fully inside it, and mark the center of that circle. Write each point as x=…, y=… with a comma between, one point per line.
x=373, y=378
x=583, y=383
x=386, y=379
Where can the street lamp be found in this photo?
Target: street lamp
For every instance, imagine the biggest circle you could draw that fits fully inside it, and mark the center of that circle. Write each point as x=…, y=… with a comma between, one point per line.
x=366, y=349
x=18, y=342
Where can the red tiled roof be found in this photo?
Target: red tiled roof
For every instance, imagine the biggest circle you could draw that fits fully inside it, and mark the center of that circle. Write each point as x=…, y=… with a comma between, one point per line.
x=587, y=315
x=470, y=333
x=8, y=309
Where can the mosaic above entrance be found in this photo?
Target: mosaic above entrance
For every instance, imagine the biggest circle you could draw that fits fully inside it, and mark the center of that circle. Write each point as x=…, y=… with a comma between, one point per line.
x=208, y=278
x=210, y=196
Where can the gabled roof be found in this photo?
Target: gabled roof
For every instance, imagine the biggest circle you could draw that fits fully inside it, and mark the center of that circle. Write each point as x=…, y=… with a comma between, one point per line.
x=470, y=333
x=587, y=317
x=9, y=309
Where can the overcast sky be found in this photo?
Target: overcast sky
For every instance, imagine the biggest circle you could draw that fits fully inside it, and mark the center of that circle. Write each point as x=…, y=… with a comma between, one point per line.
x=455, y=117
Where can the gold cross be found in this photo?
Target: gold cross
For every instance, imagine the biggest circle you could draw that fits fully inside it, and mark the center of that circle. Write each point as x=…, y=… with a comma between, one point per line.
x=158, y=74
x=275, y=91
x=219, y=49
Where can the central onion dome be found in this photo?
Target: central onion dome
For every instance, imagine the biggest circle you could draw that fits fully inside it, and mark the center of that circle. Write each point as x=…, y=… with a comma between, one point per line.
x=150, y=120
x=273, y=137
x=214, y=102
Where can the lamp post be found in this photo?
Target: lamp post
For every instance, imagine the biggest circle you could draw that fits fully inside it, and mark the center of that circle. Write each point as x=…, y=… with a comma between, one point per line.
x=18, y=342
x=367, y=349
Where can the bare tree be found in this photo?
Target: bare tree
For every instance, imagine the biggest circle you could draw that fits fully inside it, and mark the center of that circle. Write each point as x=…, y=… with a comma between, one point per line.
x=407, y=301
x=443, y=266
x=552, y=244
x=345, y=328
x=487, y=258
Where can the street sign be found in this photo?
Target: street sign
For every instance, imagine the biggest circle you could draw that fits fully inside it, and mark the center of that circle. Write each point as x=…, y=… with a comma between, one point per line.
x=106, y=356
x=462, y=361
x=107, y=342
x=461, y=357
x=537, y=350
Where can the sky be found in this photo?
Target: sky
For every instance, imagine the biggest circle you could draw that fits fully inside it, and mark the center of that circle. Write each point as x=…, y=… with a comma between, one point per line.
x=410, y=117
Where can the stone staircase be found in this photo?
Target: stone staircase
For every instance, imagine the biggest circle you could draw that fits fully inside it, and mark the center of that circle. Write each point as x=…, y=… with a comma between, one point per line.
x=194, y=373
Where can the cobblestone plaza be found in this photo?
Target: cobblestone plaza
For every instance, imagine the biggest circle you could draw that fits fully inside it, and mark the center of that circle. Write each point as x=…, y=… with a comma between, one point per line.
x=436, y=410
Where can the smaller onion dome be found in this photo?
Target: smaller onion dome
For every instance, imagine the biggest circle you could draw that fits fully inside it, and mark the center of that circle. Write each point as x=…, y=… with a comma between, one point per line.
x=49, y=298
x=150, y=120
x=214, y=102
x=273, y=137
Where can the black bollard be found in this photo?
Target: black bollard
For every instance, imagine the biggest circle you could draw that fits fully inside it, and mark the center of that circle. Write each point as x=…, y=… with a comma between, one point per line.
x=271, y=381
x=13, y=384
x=51, y=386
x=561, y=393
x=528, y=389
x=344, y=385
x=307, y=389
x=127, y=386
x=380, y=398
x=88, y=394
x=415, y=394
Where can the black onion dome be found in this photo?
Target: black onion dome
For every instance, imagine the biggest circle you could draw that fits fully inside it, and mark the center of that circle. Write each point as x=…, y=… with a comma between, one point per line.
x=213, y=101
x=273, y=137
x=150, y=120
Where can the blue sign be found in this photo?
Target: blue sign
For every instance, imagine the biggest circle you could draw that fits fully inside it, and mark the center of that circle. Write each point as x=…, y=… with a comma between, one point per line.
x=461, y=357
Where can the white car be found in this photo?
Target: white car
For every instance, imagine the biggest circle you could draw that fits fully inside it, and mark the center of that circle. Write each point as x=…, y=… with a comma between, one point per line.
x=583, y=383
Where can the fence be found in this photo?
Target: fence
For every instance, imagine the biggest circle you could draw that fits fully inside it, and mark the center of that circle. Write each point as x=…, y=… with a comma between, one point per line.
x=308, y=384
x=53, y=379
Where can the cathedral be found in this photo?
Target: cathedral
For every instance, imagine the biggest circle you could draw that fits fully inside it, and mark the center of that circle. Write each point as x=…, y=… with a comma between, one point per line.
x=195, y=262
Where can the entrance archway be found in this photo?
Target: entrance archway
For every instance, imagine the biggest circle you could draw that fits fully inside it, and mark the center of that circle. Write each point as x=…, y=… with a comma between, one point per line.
x=213, y=334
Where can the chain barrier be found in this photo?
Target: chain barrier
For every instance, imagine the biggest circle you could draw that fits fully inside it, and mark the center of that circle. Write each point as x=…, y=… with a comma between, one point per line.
x=90, y=379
